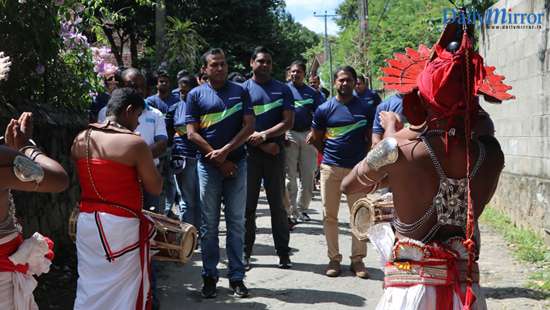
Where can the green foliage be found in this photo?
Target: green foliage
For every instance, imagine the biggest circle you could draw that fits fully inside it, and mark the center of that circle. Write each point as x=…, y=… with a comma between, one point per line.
x=526, y=244
x=393, y=26
x=41, y=71
x=184, y=45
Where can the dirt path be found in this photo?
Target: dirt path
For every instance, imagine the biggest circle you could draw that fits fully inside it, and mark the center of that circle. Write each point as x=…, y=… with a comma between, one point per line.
x=306, y=287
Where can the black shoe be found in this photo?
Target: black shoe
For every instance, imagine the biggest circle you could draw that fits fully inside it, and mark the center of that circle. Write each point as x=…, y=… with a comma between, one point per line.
x=292, y=224
x=209, y=287
x=239, y=289
x=304, y=217
x=284, y=262
x=247, y=264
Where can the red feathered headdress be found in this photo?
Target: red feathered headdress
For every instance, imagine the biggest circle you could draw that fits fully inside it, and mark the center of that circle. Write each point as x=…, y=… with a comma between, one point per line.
x=443, y=79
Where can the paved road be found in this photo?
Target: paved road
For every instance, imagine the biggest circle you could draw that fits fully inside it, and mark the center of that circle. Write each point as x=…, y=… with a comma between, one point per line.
x=306, y=287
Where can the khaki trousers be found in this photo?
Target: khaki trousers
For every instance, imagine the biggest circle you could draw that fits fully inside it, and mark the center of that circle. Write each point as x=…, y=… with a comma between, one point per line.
x=331, y=178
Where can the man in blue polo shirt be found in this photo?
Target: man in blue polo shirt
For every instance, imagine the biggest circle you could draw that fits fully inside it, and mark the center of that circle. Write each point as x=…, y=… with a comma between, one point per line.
x=393, y=104
x=341, y=131
x=219, y=120
x=363, y=92
x=164, y=98
x=301, y=158
x=273, y=106
x=184, y=165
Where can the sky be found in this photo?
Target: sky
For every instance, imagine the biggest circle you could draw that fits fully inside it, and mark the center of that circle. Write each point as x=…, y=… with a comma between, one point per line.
x=302, y=11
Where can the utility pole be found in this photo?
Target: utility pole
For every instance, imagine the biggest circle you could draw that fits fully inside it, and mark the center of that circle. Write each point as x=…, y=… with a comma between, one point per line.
x=328, y=52
x=364, y=27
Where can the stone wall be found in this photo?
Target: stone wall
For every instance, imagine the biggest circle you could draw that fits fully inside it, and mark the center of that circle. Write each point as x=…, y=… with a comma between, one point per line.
x=523, y=125
x=54, y=131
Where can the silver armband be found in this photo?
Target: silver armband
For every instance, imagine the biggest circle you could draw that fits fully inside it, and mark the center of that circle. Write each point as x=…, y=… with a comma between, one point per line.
x=384, y=153
x=27, y=170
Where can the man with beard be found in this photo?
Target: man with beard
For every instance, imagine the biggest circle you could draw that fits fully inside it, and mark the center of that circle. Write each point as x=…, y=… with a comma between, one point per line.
x=273, y=106
x=341, y=131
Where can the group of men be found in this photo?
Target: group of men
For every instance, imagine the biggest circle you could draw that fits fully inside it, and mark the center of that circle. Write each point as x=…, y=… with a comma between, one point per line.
x=222, y=141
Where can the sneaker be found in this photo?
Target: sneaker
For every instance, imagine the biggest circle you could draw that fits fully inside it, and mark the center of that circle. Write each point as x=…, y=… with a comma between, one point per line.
x=239, y=289
x=292, y=223
x=304, y=217
x=247, y=264
x=209, y=287
x=359, y=269
x=284, y=262
x=333, y=269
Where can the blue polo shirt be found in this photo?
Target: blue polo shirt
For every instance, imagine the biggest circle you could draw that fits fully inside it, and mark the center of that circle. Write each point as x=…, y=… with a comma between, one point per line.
x=163, y=105
x=268, y=101
x=182, y=146
x=369, y=97
x=219, y=113
x=392, y=104
x=346, y=127
x=306, y=100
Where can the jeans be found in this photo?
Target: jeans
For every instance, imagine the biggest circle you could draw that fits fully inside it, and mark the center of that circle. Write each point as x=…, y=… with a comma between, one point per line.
x=270, y=169
x=188, y=184
x=213, y=186
x=170, y=186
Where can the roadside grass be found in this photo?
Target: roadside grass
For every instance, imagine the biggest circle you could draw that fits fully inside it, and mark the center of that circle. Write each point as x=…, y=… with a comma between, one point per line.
x=526, y=246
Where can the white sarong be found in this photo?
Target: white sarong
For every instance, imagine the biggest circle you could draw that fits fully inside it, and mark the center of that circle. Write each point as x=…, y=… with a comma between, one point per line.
x=104, y=284
x=16, y=288
x=416, y=297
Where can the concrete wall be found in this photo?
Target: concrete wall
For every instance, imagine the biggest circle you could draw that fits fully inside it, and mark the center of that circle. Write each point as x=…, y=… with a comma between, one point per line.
x=523, y=125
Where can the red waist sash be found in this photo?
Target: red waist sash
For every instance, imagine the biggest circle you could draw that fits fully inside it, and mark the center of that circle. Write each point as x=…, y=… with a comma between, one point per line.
x=7, y=249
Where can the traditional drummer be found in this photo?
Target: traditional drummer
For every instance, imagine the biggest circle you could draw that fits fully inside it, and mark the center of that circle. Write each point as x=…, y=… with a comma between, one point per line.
x=437, y=195
x=112, y=238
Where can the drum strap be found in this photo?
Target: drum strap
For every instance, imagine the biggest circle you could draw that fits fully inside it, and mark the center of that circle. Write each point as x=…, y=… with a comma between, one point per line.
x=146, y=233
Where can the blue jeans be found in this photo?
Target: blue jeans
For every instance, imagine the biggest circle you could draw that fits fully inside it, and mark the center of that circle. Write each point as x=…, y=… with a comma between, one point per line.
x=170, y=185
x=188, y=184
x=213, y=186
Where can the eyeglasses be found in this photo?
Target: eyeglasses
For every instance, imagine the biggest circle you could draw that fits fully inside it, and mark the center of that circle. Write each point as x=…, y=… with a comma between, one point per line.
x=110, y=79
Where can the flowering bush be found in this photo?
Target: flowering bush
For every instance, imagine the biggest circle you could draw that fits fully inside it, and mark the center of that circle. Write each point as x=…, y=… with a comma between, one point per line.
x=52, y=62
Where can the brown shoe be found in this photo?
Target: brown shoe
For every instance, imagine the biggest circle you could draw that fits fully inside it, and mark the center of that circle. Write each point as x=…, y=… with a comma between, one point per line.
x=359, y=269
x=333, y=269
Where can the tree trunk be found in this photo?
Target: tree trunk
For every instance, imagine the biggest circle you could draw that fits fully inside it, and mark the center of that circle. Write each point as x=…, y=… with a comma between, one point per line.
x=114, y=48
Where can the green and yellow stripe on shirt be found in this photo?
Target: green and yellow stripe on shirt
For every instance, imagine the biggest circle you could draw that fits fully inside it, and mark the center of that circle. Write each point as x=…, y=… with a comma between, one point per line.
x=211, y=119
x=261, y=109
x=338, y=132
x=302, y=103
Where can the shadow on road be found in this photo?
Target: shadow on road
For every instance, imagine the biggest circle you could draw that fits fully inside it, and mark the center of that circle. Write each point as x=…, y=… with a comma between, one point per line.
x=513, y=292
x=309, y=296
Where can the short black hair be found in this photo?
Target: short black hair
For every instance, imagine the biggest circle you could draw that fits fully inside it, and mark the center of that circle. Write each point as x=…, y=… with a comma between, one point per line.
x=189, y=80
x=123, y=97
x=161, y=73
x=181, y=74
x=236, y=77
x=212, y=51
x=348, y=69
x=362, y=78
x=298, y=63
x=260, y=50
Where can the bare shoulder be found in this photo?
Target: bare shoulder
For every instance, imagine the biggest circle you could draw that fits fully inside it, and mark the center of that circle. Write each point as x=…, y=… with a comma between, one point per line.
x=494, y=153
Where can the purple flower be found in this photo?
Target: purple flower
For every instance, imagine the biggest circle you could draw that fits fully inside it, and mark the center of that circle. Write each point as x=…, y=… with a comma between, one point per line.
x=59, y=2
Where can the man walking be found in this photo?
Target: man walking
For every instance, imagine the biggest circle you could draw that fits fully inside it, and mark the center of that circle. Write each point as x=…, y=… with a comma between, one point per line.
x=274, y=110
x=341, y=131
x=219, y=121
x=300, y=156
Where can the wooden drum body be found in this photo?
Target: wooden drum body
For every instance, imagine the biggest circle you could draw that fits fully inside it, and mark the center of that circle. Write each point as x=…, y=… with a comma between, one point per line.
x=370, y=211
x=175, y=241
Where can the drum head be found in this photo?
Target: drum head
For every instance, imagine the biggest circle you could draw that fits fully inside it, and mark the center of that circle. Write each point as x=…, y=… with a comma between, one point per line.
x=362, y=218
